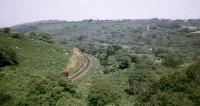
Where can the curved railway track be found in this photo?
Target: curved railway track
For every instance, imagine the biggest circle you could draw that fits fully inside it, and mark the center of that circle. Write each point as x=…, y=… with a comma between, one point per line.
x=83, y=71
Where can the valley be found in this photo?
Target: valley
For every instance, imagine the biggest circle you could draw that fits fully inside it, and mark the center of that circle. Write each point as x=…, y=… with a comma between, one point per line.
x=143, y=62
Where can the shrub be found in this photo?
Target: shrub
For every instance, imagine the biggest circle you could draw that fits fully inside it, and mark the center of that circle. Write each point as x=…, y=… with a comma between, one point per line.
x=138, y=82
x=47, y=92
x=16, y=35
x=41, y=36
x=144, y=62
x=69, y=102
x=174, y=82
x=168, y=99
x=111, y=65
x=7, y=57
x=68, y=85
x=193, y=72
x=123, y=59
x=45, y=37
x=6, y=30
x=134, y=59
x=172, y=61
x=186, y=30
x=160, y=52
x=4, y=98
x=171, y=90
x=103, y=93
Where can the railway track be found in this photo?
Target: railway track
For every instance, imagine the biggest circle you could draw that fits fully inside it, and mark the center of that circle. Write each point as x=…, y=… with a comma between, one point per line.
x=83, y=71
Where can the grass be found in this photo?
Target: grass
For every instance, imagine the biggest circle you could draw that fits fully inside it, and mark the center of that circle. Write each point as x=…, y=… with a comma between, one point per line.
x=36, y=58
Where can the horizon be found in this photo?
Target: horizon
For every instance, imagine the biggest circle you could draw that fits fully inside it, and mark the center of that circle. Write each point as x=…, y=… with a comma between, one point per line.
x=22, y=11
x=103, y=20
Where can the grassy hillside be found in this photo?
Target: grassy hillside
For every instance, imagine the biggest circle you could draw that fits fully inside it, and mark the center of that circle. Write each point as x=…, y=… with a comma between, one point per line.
x=36, y=59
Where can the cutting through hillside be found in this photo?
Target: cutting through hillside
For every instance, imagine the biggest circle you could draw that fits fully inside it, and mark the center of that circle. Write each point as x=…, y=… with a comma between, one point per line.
x=78, y=65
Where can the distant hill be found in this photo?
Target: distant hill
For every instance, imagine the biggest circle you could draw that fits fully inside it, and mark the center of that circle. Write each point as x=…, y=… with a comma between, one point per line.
x=149, y=33
x=118, y=31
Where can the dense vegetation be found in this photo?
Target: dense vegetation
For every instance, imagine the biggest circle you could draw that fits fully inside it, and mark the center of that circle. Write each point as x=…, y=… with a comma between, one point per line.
x=30, y=72
x=102, y=93
x=154, y=62
x=7, y=57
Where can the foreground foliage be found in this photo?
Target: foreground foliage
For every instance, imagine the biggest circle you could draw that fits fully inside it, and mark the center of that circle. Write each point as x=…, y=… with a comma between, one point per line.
x=7, y=57
x=47, y=92
x=35, y=80
x=103, y=93
x=178, y=89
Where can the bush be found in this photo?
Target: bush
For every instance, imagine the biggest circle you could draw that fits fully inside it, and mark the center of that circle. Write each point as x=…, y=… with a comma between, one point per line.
x=172, y=90
x=6, y=30
x=144, y=62
x=138, y=82
x=46, y=37
x=41, y=36
x=103, y=93
x=4, y=98
x=175, y=82
x=186, y=30
x=68, y=85
x=47, y=92
x=193, y=72
x=168, y=99
x=7, y=57
x=162, y=53
x=69, y=102
x=16, y=35
x=123, y=59
x=172, y=61
x=134, y=59
x=111, y=65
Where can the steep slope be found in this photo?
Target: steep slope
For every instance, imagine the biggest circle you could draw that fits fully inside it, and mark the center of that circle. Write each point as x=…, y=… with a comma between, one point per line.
x=36, y=59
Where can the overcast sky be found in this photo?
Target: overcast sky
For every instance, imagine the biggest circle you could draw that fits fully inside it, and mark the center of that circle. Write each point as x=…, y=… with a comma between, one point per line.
x=14, y=12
